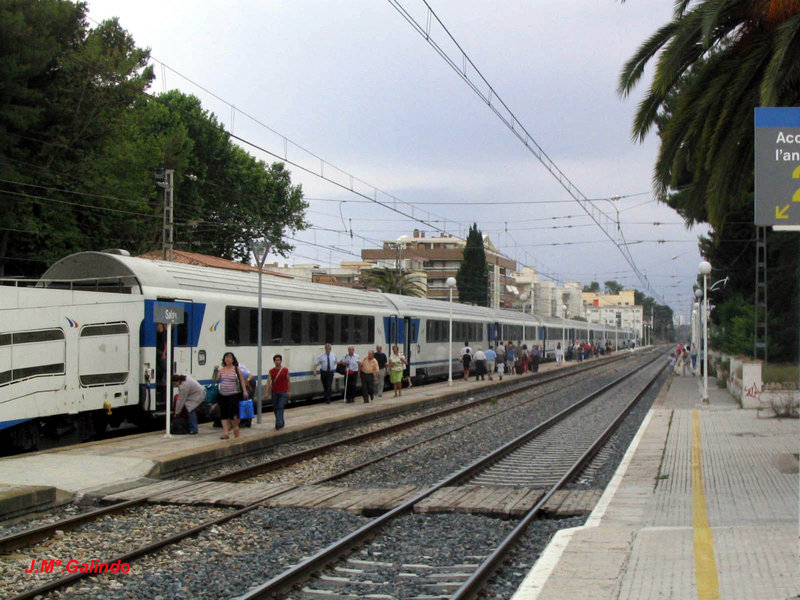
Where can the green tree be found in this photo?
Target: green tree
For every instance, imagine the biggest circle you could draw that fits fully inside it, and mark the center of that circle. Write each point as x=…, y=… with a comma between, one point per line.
x=64, y=91
x=612, y=287
x=592, y=288
x=735, y=328
x=715, y=61
x=392, y=281
x=79, y=139
x=472, y=278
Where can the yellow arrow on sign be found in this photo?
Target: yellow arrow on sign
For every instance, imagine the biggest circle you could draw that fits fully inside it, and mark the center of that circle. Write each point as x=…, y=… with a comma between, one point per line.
x=780, y=213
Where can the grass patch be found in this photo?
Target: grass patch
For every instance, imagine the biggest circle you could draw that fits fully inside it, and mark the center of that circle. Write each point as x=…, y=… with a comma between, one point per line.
x=779, y=373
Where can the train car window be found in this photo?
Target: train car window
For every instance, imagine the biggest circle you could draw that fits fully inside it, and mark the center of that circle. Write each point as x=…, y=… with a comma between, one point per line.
x=252, y=329
x=313, y=328
x=330, y=329
x=345, y=329
x=5, y=339
x=232, y=335
x=276, y=327
x=296, y=327
x=111, y=329
x=357, y=334
x=28, y=337
x=370, y=330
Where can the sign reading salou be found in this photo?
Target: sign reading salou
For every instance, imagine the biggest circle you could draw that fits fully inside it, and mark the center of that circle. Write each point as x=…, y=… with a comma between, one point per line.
x=777, y=166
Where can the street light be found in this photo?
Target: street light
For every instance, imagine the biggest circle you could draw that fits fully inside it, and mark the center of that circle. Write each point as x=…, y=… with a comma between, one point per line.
x=260, y=251
x=450, y=283
x=705, y=270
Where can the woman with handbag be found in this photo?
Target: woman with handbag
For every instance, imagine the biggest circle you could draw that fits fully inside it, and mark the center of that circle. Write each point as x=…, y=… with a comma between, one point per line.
x=232, y=389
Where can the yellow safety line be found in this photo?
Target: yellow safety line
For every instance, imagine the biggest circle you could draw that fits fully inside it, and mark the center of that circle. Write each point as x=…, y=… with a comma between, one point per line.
x=705, y=566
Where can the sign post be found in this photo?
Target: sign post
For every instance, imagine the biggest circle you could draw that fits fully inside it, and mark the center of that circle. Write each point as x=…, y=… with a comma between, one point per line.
x=168, y=314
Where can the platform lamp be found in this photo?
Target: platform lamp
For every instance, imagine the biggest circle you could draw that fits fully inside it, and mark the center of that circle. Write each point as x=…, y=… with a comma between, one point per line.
x=260, y=251
x=450, y=283
x=705, y=270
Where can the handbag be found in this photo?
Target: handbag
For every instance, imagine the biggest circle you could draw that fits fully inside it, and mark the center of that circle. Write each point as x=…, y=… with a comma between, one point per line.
x=212, y=391
x=341, y=369
x=246, y=409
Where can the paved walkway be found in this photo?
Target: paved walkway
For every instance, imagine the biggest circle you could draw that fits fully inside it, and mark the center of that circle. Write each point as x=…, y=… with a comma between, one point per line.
x=704, y=506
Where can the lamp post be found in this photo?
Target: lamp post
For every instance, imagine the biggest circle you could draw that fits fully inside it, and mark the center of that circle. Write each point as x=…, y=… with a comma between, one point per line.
x=563, y=331
x=450, y=283
x=260, y=251
x=705, y=270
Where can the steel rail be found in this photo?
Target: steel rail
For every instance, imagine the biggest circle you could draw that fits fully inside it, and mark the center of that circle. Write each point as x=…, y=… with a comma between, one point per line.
x=73, y=522
x=31, y=536
x=476, y=582
x=285, y=581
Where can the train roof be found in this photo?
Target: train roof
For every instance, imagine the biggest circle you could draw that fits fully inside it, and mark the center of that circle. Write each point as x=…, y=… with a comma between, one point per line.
x=104, y=271
x=143, y=275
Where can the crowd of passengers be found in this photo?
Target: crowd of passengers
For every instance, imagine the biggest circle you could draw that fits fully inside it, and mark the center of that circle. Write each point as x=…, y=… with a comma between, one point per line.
x=235, y=384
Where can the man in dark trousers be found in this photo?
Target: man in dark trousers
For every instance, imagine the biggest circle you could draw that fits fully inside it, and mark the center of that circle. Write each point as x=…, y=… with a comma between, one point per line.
x=382, y=360
x=352, y=365
x=326, y=364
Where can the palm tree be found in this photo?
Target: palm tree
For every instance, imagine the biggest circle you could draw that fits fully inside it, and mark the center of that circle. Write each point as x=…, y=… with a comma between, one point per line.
x=716, y=61
x=393, y=282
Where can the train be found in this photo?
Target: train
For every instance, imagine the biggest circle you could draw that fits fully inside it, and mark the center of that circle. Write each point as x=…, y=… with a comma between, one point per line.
x=78, y=345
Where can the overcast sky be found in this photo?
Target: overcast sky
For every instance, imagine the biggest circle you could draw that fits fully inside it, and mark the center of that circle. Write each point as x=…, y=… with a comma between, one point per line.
x=351, y=83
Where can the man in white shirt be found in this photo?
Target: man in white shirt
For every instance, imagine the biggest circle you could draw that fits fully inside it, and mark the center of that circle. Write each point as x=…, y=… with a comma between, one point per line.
x=352, y=365
x=326, y=364
x=480, y=364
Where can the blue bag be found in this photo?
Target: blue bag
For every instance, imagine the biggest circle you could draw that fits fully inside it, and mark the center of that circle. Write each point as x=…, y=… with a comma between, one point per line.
x=212, y=390
x=246, y=409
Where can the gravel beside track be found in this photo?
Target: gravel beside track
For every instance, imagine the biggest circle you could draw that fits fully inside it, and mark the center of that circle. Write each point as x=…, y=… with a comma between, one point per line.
x=225, y=561
x=100, y=540
x=430, y=463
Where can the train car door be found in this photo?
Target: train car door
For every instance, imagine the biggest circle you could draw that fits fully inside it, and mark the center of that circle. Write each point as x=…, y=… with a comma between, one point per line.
x=411, y=341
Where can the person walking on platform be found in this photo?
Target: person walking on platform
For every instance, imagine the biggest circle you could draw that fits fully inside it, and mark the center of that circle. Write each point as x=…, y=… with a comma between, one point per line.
x=190, y=395
x=326, y=364
x=382, y=361
x=491, y=357
x=480, y=364
x=559, y=355
x=397, y=364
x=466, y=361
x=369, y=372
x=280, y=385
x=536, y=358
x=232, y=389
x=352, y=365
x=511, y=358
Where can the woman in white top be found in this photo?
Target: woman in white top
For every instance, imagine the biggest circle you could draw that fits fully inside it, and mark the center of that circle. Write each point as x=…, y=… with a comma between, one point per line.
x=559, y=354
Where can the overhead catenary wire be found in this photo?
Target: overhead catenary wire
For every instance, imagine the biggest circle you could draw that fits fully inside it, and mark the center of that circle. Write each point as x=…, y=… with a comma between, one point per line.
x=489, y=95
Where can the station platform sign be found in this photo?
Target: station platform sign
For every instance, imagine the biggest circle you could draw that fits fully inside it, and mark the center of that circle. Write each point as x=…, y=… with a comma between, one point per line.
x=777, y=166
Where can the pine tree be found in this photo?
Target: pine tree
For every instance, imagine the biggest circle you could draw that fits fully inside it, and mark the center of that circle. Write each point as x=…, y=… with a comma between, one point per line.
x=472, y=278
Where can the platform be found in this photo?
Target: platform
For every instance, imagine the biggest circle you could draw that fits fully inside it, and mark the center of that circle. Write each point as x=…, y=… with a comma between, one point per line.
x=704, y=506
x=114, y=464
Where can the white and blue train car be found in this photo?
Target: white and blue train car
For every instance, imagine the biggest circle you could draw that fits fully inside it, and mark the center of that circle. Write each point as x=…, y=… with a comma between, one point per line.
x=79, y=348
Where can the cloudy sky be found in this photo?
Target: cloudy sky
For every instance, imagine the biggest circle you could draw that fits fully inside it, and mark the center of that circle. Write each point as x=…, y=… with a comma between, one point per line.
x=348, y=89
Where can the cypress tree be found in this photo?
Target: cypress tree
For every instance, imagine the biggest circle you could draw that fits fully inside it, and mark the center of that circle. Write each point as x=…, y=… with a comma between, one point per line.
x=472, y=278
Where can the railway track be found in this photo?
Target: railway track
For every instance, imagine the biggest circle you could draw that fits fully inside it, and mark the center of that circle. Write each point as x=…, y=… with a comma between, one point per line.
x=466, y=578
x=241, y=474
x=35, y=534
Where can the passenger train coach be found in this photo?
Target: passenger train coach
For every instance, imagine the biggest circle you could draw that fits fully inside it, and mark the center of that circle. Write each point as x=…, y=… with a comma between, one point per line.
x=78, y=348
